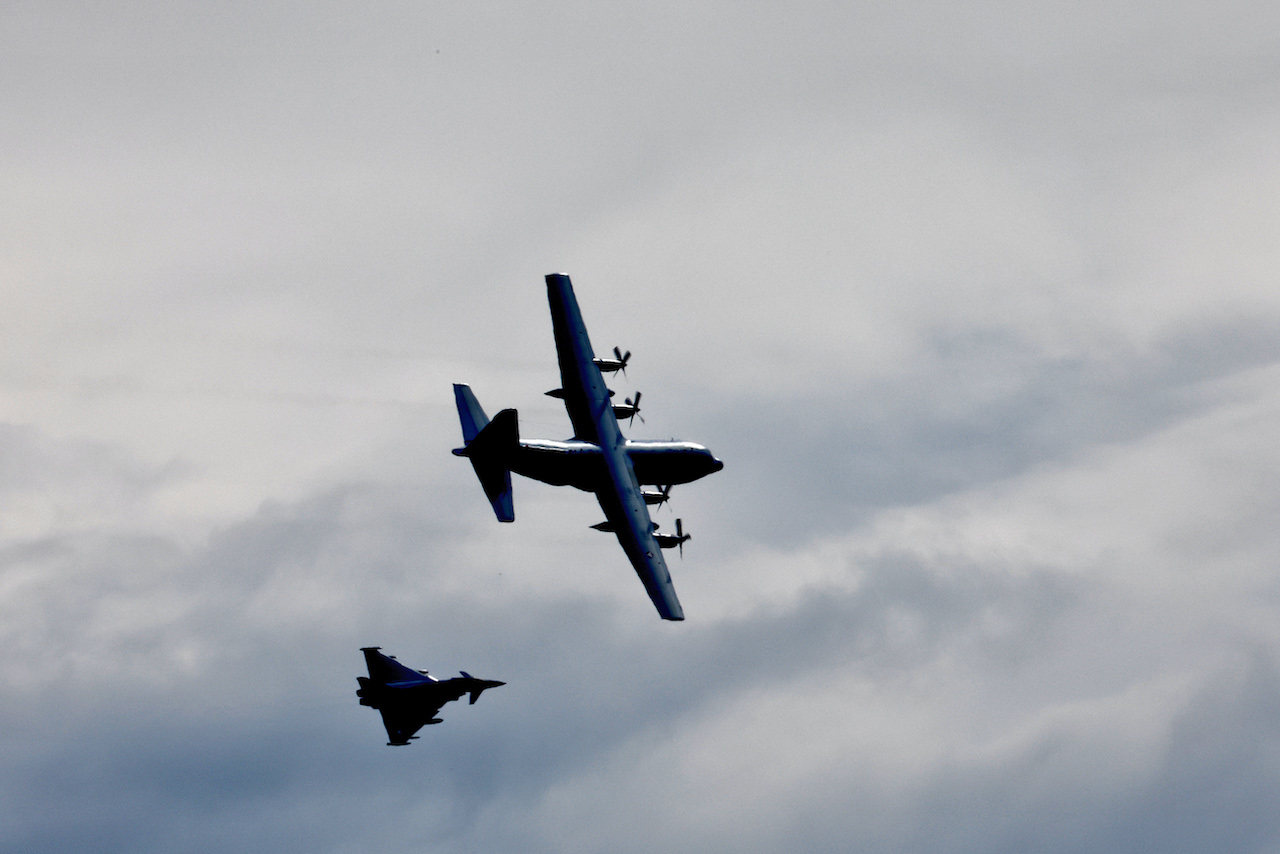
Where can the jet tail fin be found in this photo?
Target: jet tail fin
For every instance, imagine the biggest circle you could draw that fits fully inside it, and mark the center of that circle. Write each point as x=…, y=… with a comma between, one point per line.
x=490, y=449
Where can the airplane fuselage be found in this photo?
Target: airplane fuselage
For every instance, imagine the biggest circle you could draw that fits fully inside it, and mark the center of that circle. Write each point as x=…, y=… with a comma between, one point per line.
x=580, y=464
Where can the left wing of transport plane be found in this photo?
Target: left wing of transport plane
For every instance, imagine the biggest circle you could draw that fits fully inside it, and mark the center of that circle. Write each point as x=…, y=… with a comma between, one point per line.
x=587, y=400
x=409, y=699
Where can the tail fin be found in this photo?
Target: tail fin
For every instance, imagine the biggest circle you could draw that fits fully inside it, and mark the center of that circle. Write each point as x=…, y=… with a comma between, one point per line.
x=491, y=445
x=469, y=412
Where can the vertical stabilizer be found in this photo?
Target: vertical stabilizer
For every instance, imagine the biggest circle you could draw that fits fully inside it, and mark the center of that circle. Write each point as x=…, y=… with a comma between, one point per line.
x=469, y=412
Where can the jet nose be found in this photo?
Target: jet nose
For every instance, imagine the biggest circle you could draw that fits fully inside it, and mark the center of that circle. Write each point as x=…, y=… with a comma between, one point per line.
x=716, y=465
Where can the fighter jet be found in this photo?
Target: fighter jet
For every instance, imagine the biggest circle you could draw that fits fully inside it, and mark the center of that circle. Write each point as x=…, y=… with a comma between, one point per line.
x=597, y=459
x=409, y=699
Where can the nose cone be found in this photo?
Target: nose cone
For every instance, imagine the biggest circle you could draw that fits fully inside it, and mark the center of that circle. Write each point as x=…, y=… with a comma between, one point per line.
x=716, y=465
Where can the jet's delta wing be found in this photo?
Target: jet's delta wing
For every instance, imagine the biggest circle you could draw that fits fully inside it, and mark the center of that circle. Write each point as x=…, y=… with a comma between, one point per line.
x=587, y=399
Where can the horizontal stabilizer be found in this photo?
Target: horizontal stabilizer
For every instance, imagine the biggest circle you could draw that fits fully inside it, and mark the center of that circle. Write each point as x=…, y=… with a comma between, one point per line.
x=491, y=452
x=469, y=412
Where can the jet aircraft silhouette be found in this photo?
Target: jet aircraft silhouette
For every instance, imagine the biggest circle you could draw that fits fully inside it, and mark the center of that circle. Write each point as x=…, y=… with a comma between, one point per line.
x=409, y=699
x=597, y=459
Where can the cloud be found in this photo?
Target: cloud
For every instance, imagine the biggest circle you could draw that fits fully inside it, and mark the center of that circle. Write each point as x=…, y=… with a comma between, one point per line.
x=1036, y=661
x=977, y=307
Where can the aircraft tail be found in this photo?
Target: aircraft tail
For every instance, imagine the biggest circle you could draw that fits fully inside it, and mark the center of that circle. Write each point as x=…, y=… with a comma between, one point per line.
x=490, y=445
x=469, y=412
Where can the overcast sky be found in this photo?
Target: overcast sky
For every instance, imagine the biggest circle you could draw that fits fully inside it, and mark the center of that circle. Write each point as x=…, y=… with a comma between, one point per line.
x=977, y=302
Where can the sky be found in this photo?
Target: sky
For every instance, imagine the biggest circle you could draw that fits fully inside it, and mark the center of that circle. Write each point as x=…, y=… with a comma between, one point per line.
x=977, y=302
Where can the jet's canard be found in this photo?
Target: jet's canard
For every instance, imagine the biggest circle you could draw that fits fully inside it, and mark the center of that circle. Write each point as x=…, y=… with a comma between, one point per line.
x=597, y=459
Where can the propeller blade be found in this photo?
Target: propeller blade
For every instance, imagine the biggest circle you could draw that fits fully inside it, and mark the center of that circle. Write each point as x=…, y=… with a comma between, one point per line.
x=635, y=409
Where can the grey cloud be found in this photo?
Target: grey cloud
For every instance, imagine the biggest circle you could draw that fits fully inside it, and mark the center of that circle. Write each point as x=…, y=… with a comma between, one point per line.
x=1210, y=787
x=147, y=753
x=983, y=407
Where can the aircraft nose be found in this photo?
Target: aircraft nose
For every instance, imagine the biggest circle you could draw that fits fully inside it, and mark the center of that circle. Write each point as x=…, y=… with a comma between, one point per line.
x=716, y=465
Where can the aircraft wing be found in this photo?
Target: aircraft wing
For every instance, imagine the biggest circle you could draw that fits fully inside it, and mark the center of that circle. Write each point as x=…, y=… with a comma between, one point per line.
x=585, y=395
x=629, y=517
x=587, y=400
x=405, y=713
x=385, y=669
x=402, y=721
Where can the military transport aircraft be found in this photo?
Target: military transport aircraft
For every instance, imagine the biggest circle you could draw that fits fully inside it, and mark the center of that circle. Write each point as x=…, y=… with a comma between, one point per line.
x=409, y=699
x=597, y=459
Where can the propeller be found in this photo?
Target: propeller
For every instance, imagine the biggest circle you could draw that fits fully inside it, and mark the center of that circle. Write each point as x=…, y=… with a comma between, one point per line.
x=675, y=540
x=628, y=409
x=635, y=409
x=618, y=363
x=662, y=496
